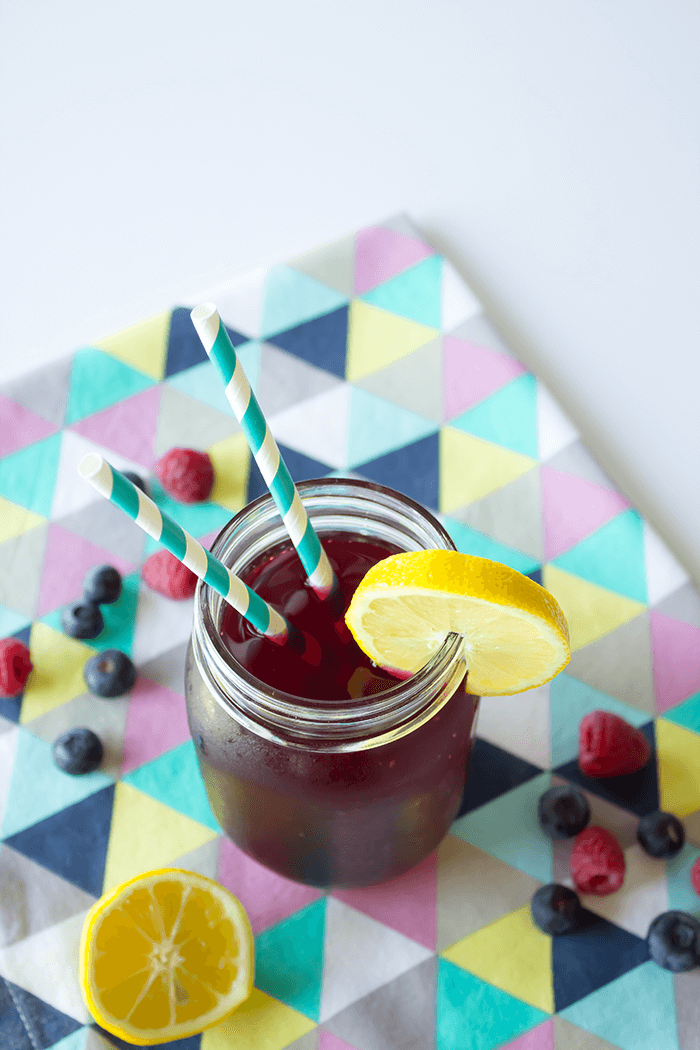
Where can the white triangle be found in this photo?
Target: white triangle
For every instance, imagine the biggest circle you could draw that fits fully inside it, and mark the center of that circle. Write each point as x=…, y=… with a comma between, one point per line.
x=519, y=724
x=46, y=964
x=240, y=302
x=554, y=429
x=161, y=624
x=318, y=427
x=71, y=492
x=8, y=745
x=458, y=301
x=664, y=573
x=377, y=956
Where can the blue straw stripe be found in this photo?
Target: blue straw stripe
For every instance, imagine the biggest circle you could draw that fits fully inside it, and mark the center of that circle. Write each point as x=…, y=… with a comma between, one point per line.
x=216, y=575
x=173, y=538
x=253, y=424
x=125, y=495
x=258, y=612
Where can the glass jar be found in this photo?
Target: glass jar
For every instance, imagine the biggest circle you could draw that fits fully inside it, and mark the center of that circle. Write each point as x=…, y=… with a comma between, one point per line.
x=328, y=793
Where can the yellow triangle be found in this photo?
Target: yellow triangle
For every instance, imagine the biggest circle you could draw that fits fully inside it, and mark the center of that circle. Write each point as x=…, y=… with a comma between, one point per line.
x=470, y=468
x=58, y=671
x=590, y=611
x=260, y=1023
x=15, y=520
x=231, y=460
x=377, y=338
x=144, y=346
x=678, y=751
x=513, y=955
x=146, y=834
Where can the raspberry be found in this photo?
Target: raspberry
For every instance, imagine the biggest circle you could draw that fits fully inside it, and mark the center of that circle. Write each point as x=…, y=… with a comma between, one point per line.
x=597, y=862
x=165, y=574
x=695, y=876
x=610, y=747
x=15, y=666
x=186, y=474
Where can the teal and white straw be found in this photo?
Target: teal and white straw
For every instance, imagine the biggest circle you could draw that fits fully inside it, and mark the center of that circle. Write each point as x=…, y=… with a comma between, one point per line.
x=220, y=349
x=110, y=483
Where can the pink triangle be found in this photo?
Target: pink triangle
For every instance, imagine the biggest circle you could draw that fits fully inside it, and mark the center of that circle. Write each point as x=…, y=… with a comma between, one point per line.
x=407, y=904
x=156, y=722
x=676, y=655
x=573, y=508
x=267, y=897
x=19, y=427
x=67, y=559
x=540, y=1038
x=381, y=254
x=129, y=427
x=326, y=1041
x=471, y=373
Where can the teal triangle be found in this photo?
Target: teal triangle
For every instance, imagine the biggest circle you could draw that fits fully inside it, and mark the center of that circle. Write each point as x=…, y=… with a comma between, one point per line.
x=686, y=714
x=416, y=293
x=174, y=779
x=11, y=622
x=289, y=959
x=38, y=789
x=469, y=541
x=569, y=701
x=28, y=477
x=99, y=380
x=634, y=1012
x=376, y=427
x=474, y=1015
x=75, y=1041
x=204, y=384
x=612, y=557
x=292, y=298
x=507, y=418
x=119, y=618
x=507, y=828
x=681, y=895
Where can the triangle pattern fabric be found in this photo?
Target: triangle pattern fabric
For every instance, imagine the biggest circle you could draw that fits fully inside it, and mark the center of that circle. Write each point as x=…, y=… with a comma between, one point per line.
x=27, y=477
x=118, y=535
x=99, y=380
x=290, y=959
x=511, y=515
x=21, y=562
x=555, y=431
x=414, y=382
x=378, y=338
x=20, y=427
x=58, y=671
x=506, y=418
x=664, y=573
x=36, y=897
x=316, y=426
x=683, y=604
x=473, y=373
x=679, y=768
x=287, y=379
x=291, y=297
x=636, y=792
x=143, y=346
x=26, y=1020
x=493, y=772
x=333, y=265
x=471, y=468
x=321, y=342
x=106, y=717
x=260, y=1023
x=129, y=427
x=570, y=700
x=44, y=391
x=376, y=426
x=568, y=1036
x=184, y=349
x=576, y=459
x=591, y=611
x=381, y=253
x=15, y=520
x=572, y=509
x=415, y=293
x=676, y=649
x=417, y=463
x=185, y=423
x=519, y=725
x=580, y=968
x=174, y=779
x=156, y=723
x=612, y=557
x=202, y=384
x=479, y=545
x=620, y=664
x=68, y=558
x=458, y=301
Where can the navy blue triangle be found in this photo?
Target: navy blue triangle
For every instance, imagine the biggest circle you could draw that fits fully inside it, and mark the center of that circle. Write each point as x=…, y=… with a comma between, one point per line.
x=184, y=345
x=413, y=470
x=28, y=1023
x=10, y=706
x=301, y=467
x=73, y=842
x=321, y=342
x=536, y=575
x=591, y=957
x=192, y=1042
x=493, y=771
x=637, y=792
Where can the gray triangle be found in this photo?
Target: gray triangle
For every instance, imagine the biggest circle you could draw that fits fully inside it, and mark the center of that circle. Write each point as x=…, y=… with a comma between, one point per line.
x=576, y=459
x=104, y=523
x=186, y=423
x=620, y=664
x=310, y=1041
x=21, y=561
x=511, y=515
x=686, y=987
x=477, y=330
x=168, y=669
x=44, y=392
x=691, y=823
x=204, y=860
x=398, y=1016
x=569, y=1036
x=107, y=718
x=403, y=225
x=683, y=604
x=414, y=382
x=33, y=898
x=334, y=265
x=285, y=380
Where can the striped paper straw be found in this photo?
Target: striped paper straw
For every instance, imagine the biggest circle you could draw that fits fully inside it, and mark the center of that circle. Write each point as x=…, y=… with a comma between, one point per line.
x=220, y=349
x=110, y=483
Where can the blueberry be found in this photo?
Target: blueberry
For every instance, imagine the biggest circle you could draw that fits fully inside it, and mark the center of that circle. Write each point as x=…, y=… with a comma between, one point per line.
x=102, y=585
x=82, y=620
x=77, y=751
x=110, y=673
x=556, y=909
x=563, y=812
x=674, y=941
x=137, y=480
x=661, y=834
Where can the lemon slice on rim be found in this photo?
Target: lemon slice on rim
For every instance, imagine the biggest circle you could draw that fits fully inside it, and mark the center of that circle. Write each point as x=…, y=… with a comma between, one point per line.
x=164, y=956
x=516, y=636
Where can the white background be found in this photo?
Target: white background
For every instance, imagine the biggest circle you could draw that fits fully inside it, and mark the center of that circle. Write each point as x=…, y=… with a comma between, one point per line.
x=152, y=150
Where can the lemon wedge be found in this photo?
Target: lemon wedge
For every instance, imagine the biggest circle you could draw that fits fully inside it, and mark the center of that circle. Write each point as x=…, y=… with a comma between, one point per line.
x=516, y=636
x=164, y=956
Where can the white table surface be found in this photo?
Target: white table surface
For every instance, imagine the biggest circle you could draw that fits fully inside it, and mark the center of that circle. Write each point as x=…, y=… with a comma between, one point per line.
x=153, y=149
